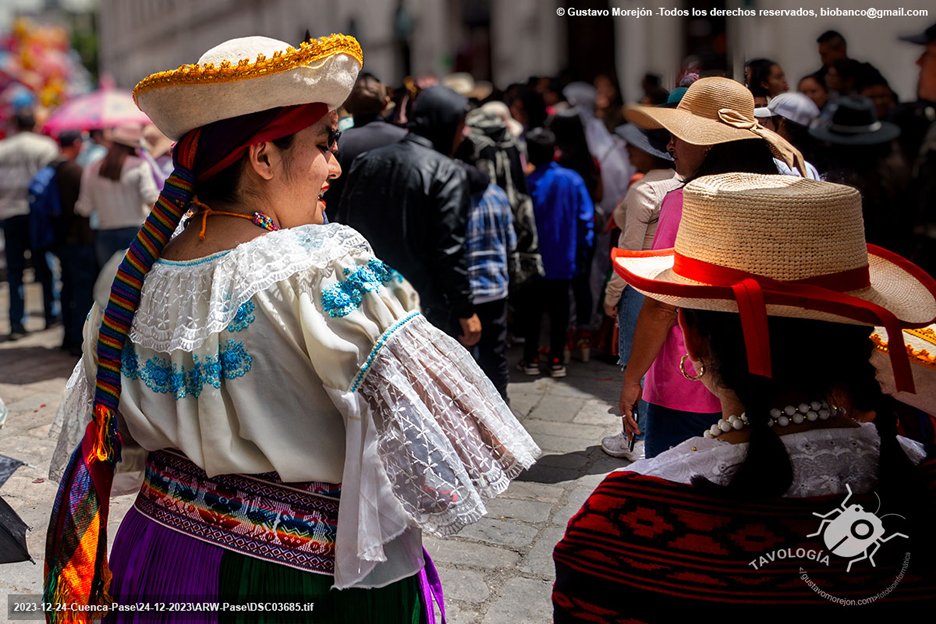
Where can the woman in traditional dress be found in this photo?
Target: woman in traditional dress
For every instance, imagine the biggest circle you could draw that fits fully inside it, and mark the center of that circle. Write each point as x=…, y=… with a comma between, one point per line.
x=787, y=507
x=267, y=367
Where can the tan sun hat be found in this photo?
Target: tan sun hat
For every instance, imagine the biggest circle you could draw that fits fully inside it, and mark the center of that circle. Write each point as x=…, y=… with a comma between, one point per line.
x=713, y=111
x=249, y=75
x=156, y=142
x=777, y=245
x=130, y=135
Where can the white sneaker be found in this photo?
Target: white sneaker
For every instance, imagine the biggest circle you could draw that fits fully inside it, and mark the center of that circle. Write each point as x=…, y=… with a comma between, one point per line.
x=619, y=446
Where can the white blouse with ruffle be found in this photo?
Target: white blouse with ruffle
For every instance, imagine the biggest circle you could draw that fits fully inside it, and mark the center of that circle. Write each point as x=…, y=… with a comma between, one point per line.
x=823, y=460
x=300, y=352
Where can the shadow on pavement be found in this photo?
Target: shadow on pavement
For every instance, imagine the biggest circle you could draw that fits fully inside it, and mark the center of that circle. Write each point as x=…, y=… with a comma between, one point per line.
x=30, y=364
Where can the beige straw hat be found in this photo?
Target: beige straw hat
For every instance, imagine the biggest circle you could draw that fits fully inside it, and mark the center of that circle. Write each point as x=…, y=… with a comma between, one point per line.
x=713, y=111
x=130, y=135
x=777, y=245
x=156, y=142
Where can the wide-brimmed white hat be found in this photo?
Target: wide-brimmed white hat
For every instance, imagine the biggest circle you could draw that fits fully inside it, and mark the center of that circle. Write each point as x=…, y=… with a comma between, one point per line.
x=777, y=245
x=249, y=75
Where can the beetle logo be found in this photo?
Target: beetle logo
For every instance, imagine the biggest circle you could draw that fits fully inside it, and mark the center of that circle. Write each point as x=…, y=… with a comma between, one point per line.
x=853, y=532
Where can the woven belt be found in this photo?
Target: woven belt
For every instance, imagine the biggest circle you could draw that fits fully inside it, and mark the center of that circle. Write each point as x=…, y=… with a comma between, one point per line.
x=258, y=516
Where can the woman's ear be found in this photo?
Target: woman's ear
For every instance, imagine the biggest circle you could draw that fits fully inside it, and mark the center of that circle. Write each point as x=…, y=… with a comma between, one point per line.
x=262, y=159
x=696, y=346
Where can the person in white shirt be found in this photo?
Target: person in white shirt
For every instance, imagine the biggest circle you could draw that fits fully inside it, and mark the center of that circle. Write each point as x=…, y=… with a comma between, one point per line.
x=21, y=157
x=120, y=188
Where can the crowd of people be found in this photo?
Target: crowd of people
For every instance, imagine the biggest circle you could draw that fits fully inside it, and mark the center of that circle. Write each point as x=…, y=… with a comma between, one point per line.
x=739, y=216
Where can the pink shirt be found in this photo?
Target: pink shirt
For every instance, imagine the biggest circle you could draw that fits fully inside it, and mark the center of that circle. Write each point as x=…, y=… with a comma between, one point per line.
x=664, y=385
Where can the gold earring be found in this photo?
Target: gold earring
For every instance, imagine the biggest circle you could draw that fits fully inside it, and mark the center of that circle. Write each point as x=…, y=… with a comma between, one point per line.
x=682, y=369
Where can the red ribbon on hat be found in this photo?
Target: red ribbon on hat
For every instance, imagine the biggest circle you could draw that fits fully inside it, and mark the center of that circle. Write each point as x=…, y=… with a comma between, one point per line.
x=288, y=120
x=826, y=293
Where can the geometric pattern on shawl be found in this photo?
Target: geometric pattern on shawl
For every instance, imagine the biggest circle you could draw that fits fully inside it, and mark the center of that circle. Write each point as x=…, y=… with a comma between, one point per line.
x=643, y=549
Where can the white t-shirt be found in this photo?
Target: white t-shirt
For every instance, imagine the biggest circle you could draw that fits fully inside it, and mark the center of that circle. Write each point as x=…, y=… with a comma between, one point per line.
x=119, y=204
x=21, y=157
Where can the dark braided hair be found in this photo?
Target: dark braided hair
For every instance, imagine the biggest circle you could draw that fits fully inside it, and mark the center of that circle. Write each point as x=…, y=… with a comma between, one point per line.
x=800, y=376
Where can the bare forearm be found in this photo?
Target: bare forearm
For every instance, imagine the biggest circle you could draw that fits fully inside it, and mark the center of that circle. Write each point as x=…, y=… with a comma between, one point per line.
x=653, y=325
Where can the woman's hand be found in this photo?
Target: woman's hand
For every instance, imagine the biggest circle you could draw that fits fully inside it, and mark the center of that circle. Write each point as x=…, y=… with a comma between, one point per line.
x=630, y=395
x=610, y=310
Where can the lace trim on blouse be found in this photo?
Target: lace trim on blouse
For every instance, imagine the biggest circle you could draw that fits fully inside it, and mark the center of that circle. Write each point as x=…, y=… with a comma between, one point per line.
x=206, y=295
x=824, y=460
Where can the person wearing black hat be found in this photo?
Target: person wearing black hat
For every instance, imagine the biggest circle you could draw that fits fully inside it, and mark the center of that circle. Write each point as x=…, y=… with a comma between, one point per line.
x=860, y=152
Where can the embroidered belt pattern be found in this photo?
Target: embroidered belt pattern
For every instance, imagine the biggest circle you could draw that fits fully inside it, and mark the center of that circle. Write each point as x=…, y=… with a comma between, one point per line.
x=258, y=516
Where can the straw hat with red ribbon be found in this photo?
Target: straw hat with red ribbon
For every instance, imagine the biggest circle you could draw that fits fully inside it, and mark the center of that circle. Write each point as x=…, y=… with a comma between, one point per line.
x=713, y=111
x=773, y=245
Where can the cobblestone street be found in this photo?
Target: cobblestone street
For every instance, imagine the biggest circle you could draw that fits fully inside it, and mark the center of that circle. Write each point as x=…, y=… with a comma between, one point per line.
x=498, y=570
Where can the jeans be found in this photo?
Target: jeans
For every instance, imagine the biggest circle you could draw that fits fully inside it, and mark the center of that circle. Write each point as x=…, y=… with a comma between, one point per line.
x=16, y=239
x=551, y=297
x=79, y=270
x=628, y=311
x=665, y=427
x=109, y=242
x=491, y=351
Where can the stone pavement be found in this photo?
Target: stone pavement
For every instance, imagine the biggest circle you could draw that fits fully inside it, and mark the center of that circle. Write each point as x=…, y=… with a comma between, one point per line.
x=497, y=571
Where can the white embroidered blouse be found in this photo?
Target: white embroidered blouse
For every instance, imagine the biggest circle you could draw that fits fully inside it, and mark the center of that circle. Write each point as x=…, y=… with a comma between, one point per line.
x=823, y=460
x=300, y=352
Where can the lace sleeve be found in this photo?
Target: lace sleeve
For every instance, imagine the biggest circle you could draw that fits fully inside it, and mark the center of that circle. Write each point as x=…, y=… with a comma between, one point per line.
x=429, y=441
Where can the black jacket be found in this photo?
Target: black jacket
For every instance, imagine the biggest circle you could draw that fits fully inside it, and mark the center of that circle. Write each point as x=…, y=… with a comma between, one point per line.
x=411, y=203
x=368, y=133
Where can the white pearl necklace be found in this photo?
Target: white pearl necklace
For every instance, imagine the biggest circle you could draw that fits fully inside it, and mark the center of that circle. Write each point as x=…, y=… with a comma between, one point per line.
x=817, y=410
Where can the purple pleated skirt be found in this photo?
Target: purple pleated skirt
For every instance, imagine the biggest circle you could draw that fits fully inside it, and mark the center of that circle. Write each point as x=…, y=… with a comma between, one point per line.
x=154, y=566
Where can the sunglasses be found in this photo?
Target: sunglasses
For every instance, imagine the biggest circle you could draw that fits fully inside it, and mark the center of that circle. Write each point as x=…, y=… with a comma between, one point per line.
x=333, y=136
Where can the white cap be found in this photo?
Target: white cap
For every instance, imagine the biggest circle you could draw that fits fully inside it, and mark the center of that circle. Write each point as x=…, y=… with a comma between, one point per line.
x=796, y=107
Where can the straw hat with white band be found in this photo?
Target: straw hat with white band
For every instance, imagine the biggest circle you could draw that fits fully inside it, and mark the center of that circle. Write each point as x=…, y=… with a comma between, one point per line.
x=764, y=245
x=713, y=111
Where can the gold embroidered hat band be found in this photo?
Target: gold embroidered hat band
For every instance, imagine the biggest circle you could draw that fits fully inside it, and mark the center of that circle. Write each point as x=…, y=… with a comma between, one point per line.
x=248, y=75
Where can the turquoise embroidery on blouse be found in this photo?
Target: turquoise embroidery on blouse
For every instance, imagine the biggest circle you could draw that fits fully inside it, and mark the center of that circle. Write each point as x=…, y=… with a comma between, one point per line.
x=243, y=318
x=128, y=361
x=345, y=297
x=165, y=377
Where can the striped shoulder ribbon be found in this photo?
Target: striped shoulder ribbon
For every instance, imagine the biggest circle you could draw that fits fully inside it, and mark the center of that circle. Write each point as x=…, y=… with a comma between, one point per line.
x=76, y=569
